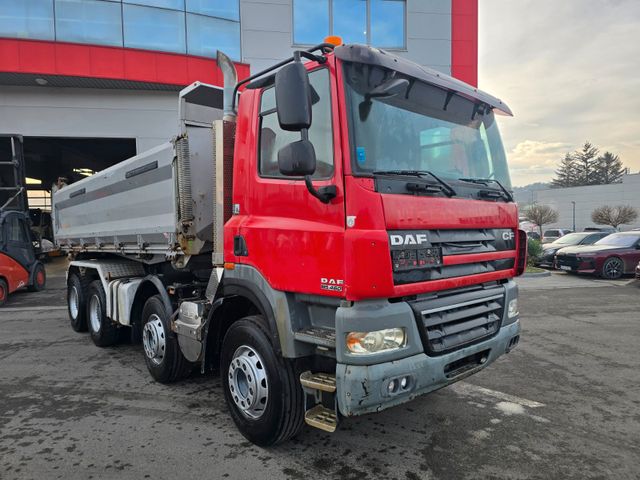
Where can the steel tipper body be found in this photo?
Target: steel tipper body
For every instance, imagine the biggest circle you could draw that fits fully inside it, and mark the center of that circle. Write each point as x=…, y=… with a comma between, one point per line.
x=363, y=249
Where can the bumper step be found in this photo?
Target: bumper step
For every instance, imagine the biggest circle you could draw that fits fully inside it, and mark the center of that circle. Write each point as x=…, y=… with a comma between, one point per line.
x=325, y=382
x=317, y=336
x=322, y=418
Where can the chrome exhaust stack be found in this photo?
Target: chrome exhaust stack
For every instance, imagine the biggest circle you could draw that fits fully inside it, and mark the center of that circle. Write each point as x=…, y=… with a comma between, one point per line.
x=230, y=79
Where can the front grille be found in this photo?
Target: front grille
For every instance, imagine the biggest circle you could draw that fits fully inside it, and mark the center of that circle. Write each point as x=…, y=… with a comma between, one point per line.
x=453, y=321
x=567, y=261
x=448, y=243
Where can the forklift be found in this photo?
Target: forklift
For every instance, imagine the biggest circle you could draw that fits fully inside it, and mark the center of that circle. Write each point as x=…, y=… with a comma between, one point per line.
x=19, y=265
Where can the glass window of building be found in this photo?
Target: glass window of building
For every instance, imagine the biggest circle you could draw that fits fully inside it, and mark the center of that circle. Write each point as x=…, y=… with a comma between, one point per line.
x=387, y=23
x=374, y=22
x=172, y=4
x=310, y=21
x=154, y=29
x=88, y=21
x=350, y=20
x=229, y=9
x=27, y=19
x=207, y=35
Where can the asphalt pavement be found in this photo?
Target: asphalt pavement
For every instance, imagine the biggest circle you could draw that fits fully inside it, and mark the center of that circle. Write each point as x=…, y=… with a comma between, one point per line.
x=564, y=404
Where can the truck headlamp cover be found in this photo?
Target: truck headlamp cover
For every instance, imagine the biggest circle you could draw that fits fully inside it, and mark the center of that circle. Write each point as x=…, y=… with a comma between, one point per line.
x=513, y=308
x=368, y=343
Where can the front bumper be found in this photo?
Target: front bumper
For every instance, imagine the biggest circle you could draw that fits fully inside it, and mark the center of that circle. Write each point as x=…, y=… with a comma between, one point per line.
x=364, y=389
x=363, y=384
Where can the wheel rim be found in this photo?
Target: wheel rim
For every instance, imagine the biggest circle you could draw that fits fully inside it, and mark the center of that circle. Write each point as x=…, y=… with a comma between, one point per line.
x=153, y=339
x=613, y=268
x=248, y=383
x=94, y=313
x=40, y=278
x=3, y=293
x=73, y=302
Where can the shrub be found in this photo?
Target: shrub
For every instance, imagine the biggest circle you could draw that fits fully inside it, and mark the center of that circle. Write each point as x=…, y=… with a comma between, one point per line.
x=534, y=250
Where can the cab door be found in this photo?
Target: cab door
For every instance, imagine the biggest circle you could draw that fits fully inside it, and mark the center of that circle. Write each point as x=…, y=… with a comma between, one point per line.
x=292, y=238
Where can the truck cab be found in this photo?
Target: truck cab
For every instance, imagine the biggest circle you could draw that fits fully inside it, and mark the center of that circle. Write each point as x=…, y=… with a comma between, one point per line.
x=356, y=248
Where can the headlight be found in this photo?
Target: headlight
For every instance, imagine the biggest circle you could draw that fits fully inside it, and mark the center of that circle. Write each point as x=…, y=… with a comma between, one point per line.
x=513, y=308
x=367, y=343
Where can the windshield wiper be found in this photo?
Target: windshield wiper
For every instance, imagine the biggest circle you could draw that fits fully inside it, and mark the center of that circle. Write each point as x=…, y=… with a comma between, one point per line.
x=446, y=188
x=486, y=181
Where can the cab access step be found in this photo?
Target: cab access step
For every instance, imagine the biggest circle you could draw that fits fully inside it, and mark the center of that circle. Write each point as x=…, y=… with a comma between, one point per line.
x=319, y=386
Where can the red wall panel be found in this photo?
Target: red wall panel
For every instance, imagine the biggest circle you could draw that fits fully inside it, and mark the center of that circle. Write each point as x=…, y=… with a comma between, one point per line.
x=464, y=40
x=91, y=61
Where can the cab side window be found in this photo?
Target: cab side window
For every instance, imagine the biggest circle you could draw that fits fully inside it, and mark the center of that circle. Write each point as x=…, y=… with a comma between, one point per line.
x=17, y=232
x=273, y=138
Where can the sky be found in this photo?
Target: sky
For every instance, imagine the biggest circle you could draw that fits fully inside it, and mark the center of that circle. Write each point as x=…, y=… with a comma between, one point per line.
x=570, y=71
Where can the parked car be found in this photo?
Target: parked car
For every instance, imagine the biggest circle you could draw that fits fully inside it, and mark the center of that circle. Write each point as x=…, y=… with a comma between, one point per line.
x=572, y=239
x=612, y=257
x=600, y=229
x=533, y=236
x=553, y=234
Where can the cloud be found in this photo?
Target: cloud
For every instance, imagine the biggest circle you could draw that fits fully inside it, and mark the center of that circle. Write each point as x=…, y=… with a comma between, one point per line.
x=533, y=161
x=570, y=73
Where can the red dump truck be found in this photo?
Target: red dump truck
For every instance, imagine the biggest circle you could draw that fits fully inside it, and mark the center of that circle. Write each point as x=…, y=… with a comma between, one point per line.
x=336, y=234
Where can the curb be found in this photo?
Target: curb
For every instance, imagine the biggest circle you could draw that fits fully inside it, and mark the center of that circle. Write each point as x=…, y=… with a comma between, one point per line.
x=536, y=274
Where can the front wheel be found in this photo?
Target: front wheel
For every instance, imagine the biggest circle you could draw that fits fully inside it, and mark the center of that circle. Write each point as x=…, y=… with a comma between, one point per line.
x=39, y=278
x=162, y=354
x=4, y=292
x=261, y=389
x=612, y=268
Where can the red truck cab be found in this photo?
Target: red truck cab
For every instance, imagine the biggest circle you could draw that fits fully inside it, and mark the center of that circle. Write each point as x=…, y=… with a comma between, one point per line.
x=394, y=254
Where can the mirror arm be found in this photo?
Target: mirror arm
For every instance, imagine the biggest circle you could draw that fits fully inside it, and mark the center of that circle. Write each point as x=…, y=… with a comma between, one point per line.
x=324, y=194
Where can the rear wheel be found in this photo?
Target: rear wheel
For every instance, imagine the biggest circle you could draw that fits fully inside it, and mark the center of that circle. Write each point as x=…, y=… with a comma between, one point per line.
x=4, y=292
x=612, y=268
x=103, y=331
x=162, y=354
x=261, y=388
x=39, y=278
x=77, y=302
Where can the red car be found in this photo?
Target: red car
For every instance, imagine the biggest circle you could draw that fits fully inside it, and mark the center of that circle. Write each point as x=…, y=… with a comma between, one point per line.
x=612, y=257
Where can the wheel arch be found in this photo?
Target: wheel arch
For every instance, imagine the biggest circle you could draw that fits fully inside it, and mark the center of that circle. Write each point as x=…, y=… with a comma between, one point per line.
x=151, y=285
x=237, y=299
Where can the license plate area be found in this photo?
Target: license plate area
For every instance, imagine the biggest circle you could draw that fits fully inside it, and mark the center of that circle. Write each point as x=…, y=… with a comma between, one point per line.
x=566, y=268
x=466, y=364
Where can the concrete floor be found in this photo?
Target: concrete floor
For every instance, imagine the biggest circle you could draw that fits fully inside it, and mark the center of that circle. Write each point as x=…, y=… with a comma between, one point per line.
x=564, y=404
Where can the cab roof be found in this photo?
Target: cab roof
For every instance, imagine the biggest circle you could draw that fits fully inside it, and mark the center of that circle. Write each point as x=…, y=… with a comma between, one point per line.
x=374, y=56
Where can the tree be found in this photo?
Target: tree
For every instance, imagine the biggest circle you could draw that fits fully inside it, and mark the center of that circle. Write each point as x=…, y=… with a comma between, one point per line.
x=541, y=215
x=566, y=175
x=586, y=160
x=608, y=169
x=614, y=216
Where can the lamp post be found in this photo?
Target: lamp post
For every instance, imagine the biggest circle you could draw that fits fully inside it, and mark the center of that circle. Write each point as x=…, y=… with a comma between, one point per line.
x=574, y=215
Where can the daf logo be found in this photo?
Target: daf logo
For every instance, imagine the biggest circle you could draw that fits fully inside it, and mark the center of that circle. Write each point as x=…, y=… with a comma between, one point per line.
x=408, y=239
x=508, y=235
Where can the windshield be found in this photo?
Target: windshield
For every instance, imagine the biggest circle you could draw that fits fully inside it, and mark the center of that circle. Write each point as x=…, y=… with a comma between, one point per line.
x=570, y=239
x=619, y=240
x=423, y=128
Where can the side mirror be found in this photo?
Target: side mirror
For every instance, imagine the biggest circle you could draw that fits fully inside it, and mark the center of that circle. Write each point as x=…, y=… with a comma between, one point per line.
x=293, y=97
x=298, y=159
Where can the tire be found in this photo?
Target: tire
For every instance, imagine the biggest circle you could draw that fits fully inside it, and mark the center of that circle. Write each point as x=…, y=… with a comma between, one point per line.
x=104, y=332
x=77, y=290
x=612, y=268
x=162, y=354
x=39, y=278
x=247, y=356
x=4, y=291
